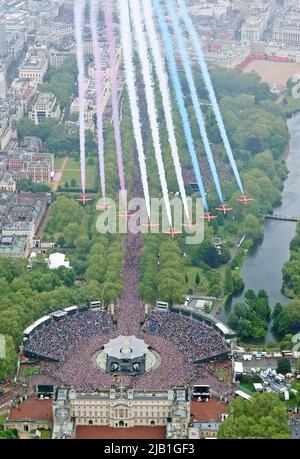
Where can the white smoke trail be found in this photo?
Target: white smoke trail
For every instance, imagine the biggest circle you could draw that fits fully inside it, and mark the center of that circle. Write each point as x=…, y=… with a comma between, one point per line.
x=132, y=92
x=191, y=82
x=94, y=14
x=79, y=8
x=196, y=41
x=166, y=98
x=150, y=97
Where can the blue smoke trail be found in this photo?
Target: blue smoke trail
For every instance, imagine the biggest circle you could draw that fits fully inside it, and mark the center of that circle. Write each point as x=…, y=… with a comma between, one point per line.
x=192, y=86
x=180, y=98
x=208, y=83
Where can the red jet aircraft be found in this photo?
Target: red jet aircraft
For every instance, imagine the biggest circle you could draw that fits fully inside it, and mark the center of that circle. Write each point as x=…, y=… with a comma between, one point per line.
x=245, y=199
x=224, y=209
x=84, y=198
x=172, y=232
x=209, y=217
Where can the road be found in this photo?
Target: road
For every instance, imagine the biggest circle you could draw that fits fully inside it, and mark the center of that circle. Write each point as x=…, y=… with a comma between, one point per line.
x=58, y=175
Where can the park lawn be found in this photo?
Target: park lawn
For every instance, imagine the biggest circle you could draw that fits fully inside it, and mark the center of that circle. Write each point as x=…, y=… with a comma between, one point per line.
x=58, y=163
x=46, y=434
x=70, y=175
x=191, y=272
x=72, y=171
x=73, y=164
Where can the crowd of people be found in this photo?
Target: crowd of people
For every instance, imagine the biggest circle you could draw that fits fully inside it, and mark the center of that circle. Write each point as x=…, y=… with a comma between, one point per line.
x=73, y=342
x=129, y=306
x=62, y=337
x=196, y=340
x=80, y=370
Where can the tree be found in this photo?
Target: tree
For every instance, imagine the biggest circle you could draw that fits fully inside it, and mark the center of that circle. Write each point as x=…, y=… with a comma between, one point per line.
x=208, y=253
x=82, y=243
x=283, y=366
x=27, y=185
x=26, y=127
x=287, y=318
x=91, y=161
x=264, y=416
x=197, y=280
x=71, y=232
x=7, y=365
x=252, y=228
x=250, y=318
x=253, y=144
x=238, y=282
x=11, y=434
x=228, y=285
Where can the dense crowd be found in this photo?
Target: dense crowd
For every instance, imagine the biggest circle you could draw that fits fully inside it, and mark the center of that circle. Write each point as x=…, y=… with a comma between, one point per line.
x=129, y=307
x=74, y=342
x=197, y=340
x=62, y=337
x=81, y=371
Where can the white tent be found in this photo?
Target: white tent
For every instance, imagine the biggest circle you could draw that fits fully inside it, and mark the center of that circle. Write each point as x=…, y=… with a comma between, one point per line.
x=56, y=260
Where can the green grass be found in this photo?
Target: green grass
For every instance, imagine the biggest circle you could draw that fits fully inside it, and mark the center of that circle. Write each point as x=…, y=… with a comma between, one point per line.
x=58, y=163
x=29, y=371
x=222, y=374
x=246, y=388
x=46, y=434
x=203, y=287
x=74, y=173
x=72, y=164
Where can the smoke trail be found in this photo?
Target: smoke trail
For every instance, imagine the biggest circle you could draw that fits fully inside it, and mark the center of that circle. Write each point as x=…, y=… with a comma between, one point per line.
x=79, y=8
x=94, y=14
x=150, y=97
x=193, y=91
x=166, y=99
x=211, y=92
x=114, y=89
x=132, y=92
x=180, y=98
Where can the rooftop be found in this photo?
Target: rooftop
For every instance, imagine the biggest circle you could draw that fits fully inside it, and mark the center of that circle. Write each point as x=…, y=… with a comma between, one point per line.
x=136, y=433
x=17, y=246
x=33, y=64
x=126, y=347
x=6, y=177
x=45, y=98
